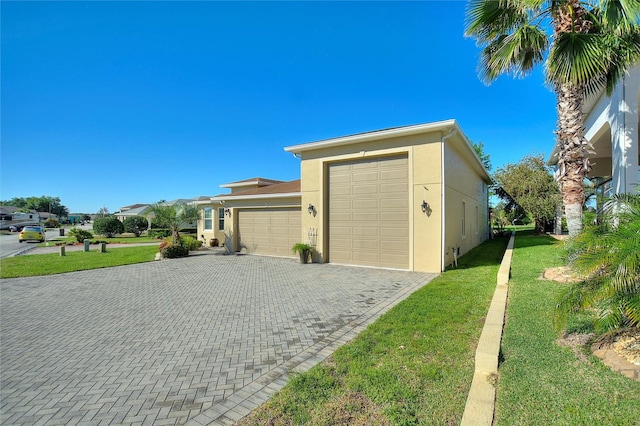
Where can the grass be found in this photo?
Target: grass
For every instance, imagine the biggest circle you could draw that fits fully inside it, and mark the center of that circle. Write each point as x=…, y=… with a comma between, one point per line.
x=540, y=382
x=122, y=239
x=53, y=263
x=414, y=365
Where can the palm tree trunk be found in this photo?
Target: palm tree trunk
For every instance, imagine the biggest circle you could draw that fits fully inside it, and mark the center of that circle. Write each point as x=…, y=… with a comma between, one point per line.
x=573, y=161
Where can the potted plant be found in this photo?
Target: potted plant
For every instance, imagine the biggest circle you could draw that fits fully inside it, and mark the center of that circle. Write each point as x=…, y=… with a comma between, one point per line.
x=304, y=250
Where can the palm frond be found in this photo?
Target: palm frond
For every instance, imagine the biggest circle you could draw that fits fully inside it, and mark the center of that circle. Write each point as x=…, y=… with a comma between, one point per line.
x=487, y=20
x=516, y=53
x=576, y=58
x=623, y=14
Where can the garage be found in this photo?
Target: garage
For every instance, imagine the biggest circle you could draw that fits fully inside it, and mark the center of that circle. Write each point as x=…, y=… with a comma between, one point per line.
x=368, y=212
x=269, y=231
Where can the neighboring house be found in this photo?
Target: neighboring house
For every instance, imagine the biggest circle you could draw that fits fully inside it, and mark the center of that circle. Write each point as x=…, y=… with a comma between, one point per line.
x=145, y=210
x=411, y=198
x=611, y=124
x=134, y=210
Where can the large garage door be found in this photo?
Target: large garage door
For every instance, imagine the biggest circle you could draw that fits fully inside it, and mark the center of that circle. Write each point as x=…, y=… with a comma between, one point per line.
x=269, y=231
x=369, y=212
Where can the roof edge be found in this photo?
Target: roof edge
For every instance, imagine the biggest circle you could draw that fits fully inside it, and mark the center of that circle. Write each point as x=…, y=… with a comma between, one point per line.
x=256, y=196
x=372, y=136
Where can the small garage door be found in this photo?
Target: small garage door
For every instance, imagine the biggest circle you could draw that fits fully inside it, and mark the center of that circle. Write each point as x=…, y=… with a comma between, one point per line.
x=270, y=231
x=369, y=212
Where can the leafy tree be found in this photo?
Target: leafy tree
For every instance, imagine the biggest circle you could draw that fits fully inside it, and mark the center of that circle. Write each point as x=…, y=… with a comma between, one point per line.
x=483, y=156
x=174, y=217
x=589, y=48
x=529, y=186
x=607, y=254
x=40, y=204
x=135, y=224
x=108, y=226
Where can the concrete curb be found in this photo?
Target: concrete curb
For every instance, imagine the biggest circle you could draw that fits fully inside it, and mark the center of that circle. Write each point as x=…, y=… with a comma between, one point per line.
x=480, y=405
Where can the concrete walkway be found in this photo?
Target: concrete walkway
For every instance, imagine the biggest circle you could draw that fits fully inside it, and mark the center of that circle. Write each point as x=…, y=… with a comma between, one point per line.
x=201, y=340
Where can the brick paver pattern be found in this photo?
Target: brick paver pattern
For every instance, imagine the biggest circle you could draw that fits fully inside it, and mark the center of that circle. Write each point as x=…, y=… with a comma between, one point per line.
x=200, y=340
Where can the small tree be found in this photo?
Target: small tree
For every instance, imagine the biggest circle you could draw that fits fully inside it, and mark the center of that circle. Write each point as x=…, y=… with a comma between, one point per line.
x=174, y=217
x=108, y=226
x=80, y=234
x=135, y=224
x=530, y=186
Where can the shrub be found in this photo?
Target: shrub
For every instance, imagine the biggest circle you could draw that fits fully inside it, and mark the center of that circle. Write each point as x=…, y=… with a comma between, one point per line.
x=606, y=254
x=172, y=252
x=159, y=233
x=80, y=234
x=191, y=243
x=135, y=224
x=108, y=226
x=52, y=223
x=187, y=241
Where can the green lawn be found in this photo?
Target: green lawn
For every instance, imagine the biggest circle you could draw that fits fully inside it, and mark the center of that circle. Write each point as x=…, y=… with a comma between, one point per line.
x=412, y=366
x=122, y=239
x=53, y=263
x=540, y=382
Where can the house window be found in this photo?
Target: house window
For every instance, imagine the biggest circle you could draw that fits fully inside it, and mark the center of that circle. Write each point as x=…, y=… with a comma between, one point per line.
x=208, y=219
x=477, y=220
x=464, y=225
x=221, y=218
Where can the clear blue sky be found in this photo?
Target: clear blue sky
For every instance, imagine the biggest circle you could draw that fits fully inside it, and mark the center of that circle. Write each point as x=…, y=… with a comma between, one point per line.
x=132, y=102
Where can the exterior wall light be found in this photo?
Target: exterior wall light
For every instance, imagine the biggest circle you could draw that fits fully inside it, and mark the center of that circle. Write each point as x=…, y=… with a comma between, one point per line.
x=227, y=212
x=425, y=208
x=311, y=209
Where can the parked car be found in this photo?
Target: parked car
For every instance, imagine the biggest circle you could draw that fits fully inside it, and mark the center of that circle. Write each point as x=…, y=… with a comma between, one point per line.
x=32, y=233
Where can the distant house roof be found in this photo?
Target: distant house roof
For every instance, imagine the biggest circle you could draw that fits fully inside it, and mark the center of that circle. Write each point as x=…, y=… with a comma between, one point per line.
x=132, y=206
x=250, y=182
x=8, y=209
x=138, y=211
x=274, y=190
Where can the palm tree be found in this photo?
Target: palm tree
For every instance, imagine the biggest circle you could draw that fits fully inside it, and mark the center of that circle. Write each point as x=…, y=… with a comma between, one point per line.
x=174, y=217
x=588, y=46
x=606, y=254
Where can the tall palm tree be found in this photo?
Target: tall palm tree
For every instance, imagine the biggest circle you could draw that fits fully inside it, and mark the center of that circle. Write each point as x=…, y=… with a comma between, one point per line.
x=586, y=46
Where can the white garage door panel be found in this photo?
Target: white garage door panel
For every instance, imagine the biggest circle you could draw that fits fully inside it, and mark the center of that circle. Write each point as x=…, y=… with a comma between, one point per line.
x=369, y=212
x=270, y=231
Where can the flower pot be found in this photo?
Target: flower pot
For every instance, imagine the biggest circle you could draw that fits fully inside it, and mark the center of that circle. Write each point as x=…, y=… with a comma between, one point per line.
x=304, y=256
x=214, y=242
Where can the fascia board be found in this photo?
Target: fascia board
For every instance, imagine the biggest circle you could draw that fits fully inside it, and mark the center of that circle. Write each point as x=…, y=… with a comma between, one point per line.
x=372, y=136
x=257, y=196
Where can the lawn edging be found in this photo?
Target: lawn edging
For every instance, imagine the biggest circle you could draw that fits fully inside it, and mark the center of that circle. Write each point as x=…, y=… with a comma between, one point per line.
x=479, y=409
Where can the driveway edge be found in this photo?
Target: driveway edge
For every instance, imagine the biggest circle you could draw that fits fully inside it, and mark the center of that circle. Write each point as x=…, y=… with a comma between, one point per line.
x=241, y=403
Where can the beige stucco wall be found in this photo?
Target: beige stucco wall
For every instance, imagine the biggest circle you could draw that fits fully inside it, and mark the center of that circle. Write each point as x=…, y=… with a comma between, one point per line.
x=215, y=233
x=423, y=152
x=463, y=184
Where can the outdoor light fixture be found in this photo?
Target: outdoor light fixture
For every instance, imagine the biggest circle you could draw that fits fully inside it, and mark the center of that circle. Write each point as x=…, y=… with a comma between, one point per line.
x=311, y=209
x=424, y=206
x=227, y=212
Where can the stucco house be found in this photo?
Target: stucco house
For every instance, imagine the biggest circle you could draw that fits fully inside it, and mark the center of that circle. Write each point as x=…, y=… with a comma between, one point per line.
x=412, y=198
x=611, y=124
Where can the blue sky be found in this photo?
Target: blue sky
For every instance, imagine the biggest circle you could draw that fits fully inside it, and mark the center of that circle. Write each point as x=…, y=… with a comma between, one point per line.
x=132, y=102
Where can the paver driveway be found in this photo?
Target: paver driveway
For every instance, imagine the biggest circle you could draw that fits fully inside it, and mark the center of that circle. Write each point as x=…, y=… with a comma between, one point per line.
x=201, y=340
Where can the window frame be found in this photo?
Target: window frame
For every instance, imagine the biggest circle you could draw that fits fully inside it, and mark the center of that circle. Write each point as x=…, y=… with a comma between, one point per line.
x=206, y=219
x=221, y=218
